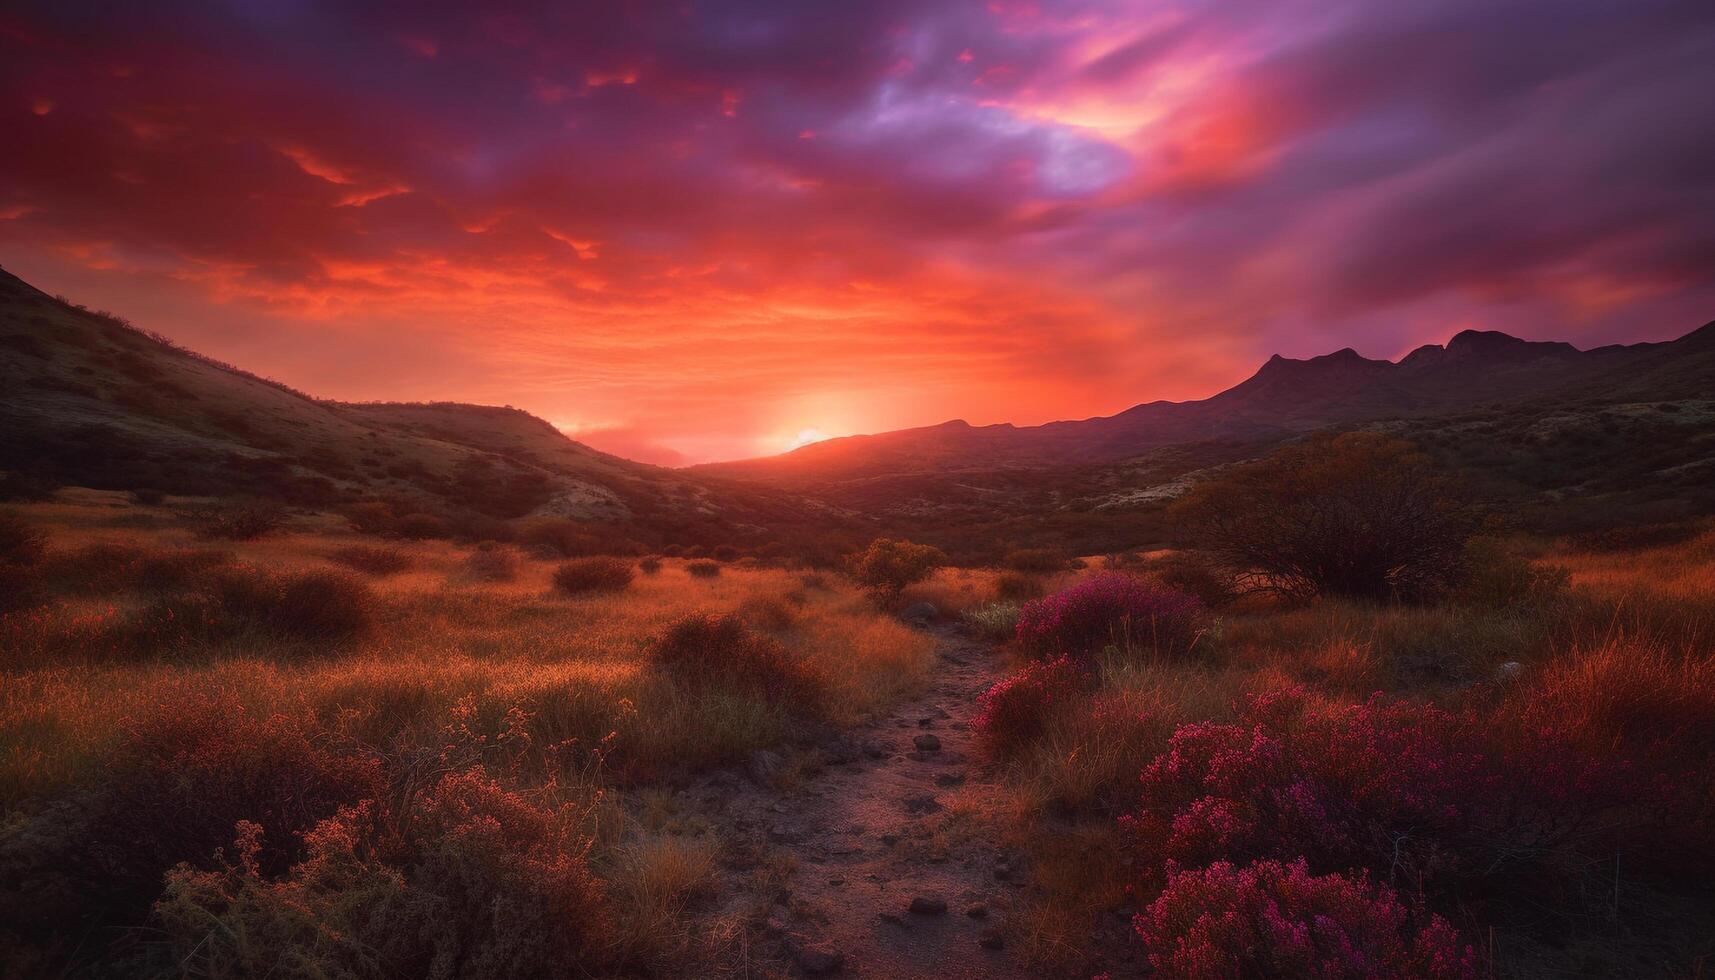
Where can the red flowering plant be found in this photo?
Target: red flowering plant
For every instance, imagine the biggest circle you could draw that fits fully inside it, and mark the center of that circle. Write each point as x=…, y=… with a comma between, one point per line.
x=1269, y=919
x=1108, y=609
x=1417, y=793
x=1014, y=712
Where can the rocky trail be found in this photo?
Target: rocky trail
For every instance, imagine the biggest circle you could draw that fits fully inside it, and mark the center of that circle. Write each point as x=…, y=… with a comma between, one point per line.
x=869, y=864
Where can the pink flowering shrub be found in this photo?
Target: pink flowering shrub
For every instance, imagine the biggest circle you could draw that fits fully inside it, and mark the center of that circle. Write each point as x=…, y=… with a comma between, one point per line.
x=1417, y=792
x=1108, y=608
x=1015, y=711
x=1276, y=920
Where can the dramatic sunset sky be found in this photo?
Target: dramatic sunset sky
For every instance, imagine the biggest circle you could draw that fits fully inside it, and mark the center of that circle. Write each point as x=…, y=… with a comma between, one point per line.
x=697, y=230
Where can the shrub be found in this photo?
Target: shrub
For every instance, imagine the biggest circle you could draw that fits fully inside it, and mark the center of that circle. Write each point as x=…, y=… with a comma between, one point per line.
x=1037, y=561
x=593, y=575
x=420, y=527
x=323, y=607
x=649, y=566
x=1012, y=713
x=147, y=496
x=768, y=612
x=172, y=792
x=1195, y=574
x=1016, y=586
x=705, y=649
x=1358, y=515
x=490, y=563
x=372, y=560
x=370, y=517
x=320, y=606
x=477, y=881
x=242, y=522
x=887, y=566
x=557, y=537
x=1108, y=608
x=20, y=544
x=1277, y=920
x=1414, y=789
x=703, y=569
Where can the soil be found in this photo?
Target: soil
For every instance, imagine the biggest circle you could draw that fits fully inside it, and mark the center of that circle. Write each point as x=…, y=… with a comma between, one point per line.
x=869, y=863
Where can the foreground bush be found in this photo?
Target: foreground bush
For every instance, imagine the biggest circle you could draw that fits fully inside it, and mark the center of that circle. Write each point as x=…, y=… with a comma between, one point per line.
x=1012, y=713
x=1424, y=794
x=178, y=783
x=703, y=569
x=1358, y=515
x=593, y=575
x=1278, y=921
x=1108, y=608
x=705, y=650
x=472, y=880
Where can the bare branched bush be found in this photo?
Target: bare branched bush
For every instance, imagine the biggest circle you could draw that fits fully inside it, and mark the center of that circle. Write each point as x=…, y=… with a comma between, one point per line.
x=1358, y=515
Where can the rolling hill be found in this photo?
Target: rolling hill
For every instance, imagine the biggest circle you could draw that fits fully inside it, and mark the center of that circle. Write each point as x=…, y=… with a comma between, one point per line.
x=94, y=402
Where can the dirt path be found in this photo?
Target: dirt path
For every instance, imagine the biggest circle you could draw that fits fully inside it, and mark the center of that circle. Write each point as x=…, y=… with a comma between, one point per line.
x=873, y=870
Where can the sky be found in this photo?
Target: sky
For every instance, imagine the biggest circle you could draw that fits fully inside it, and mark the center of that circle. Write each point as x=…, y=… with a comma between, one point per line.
x=688, y=231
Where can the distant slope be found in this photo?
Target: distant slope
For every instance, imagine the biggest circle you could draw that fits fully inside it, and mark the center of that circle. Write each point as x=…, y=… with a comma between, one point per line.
x=93, y=402
x=1284, y=398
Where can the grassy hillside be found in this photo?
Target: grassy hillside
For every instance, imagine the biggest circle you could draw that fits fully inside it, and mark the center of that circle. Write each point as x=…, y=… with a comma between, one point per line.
x=93, y=402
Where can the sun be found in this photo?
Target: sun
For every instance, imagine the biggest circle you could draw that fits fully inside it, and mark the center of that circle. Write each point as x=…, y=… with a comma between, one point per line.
x=804, y=438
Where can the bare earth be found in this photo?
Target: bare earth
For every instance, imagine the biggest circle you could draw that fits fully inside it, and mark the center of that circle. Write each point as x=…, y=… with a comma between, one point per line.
x=869, y=865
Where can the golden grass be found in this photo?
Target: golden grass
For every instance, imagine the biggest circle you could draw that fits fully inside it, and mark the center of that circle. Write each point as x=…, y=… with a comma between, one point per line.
x=574, y=665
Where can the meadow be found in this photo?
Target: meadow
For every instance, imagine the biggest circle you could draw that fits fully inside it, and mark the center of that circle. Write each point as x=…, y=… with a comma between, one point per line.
x=145, y=707
x=315, y=743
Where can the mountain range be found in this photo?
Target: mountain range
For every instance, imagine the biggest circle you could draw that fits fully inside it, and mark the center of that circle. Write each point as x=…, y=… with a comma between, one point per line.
x=92, y=401
x=1283, y=399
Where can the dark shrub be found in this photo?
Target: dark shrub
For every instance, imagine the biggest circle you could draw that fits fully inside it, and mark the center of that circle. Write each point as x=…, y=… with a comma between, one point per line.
x=1014, y=712
x=420, y=527
x=649, y=566
x=1198, y=575
x=172, y=792
x=372, y=560
x=1422, y=793
x=20, y=587
x=1017, y=586
x=148, y=497
x=887, y=566
x=321, y=607
x=703, y=569
x=1357, y=515
x=478, y=881
x=1108, y=608
x=556, y=537
x=725, y=552
x=705, y=649
x=1277, y=920
x=20, y=544
x=370, y=517
x=1036, y=561
x=773, y=613
x=593, y=575
x=490, y=563
x=242, y=522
